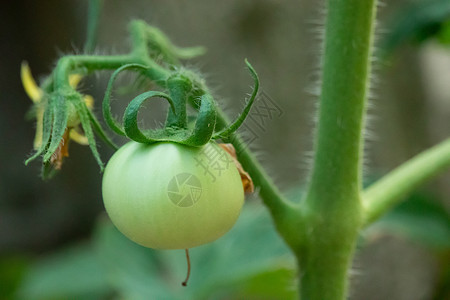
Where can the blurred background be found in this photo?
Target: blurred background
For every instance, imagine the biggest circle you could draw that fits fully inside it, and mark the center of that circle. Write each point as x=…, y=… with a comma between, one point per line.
x=56, y=242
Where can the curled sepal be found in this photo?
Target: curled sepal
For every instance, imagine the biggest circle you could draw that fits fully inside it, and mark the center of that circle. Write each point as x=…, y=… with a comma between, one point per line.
x=46, y=130
x=48, y=171
x=85, y=120
x=106, y=105
x=60, y=118
x=130, y=119
x=224, y=133
x=198, y=136
x=205, y=124
x=99, y=130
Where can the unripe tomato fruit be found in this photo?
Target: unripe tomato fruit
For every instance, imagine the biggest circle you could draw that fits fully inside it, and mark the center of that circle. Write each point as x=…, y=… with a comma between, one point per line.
x=171, y=196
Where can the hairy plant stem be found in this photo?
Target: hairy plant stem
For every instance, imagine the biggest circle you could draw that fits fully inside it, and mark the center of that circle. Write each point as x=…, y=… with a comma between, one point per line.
x=384, y=194
x=332, y=207
x=89, y=63
x=285, y=214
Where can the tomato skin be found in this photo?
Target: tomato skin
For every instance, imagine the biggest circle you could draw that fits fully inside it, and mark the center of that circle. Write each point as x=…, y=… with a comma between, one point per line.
x=144, y=194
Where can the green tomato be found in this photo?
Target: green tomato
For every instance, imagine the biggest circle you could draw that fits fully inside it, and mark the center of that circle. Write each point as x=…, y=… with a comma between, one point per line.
x=171, y=196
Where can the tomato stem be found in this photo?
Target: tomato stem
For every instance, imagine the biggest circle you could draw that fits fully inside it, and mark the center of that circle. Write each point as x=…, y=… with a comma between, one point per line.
x=179, y=88
x=184, y=283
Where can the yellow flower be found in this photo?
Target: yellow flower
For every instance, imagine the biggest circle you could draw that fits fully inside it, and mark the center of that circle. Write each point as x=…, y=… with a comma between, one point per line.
x=36, y=95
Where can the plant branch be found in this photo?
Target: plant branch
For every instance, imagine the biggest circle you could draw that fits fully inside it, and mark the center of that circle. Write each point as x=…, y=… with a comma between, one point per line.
x=391, y=189
x=70, y=63
x=137, y=55
x=94, y=11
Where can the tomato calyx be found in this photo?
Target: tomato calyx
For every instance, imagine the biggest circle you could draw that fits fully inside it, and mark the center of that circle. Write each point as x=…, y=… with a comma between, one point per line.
x=181, y=86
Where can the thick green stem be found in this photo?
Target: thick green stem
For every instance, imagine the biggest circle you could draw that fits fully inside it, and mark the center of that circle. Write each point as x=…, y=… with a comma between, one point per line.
x=387, y=192
x=332, y=208
x=348, y=41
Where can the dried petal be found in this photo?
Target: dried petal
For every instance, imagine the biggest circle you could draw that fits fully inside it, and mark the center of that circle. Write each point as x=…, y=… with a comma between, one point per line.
x=61, y=152
x=29, y=84
x=74, y=80
x=247, y=181
x=78, y=137
x=89, y=100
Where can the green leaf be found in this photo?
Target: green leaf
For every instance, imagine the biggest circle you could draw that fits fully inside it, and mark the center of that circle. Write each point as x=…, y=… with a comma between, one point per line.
x=416, y=22
x=444, y=33
x=273, y=284
x=12, y=269
x=74, y=273
x=421, y=219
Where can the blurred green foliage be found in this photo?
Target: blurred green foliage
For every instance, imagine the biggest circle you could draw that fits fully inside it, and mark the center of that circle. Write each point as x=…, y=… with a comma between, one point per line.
x=424, y=221
x=12, y=269
x=444, y=33
x=421, y=219
x=250, y=262
x=417, y=22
